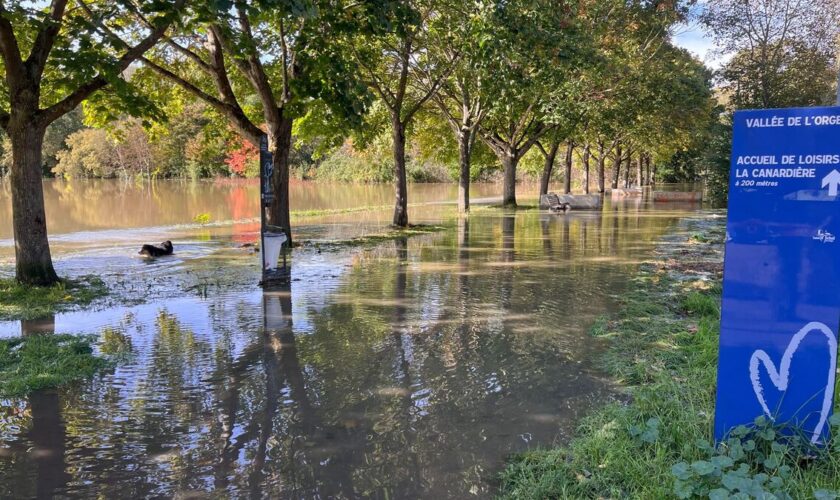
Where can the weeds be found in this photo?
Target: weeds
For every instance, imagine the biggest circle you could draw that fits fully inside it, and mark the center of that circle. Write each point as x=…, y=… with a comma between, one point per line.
x=46, y=361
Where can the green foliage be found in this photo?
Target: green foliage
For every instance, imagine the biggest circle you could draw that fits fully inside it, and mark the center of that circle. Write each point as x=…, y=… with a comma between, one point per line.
x=26, y=302
x=785, y=59
x=346, y=164
x=707, y=159
x=375, y=163
x=46, y=361
x=716, y=160
x=203, y=218
x=90, y=153
x=754, y=462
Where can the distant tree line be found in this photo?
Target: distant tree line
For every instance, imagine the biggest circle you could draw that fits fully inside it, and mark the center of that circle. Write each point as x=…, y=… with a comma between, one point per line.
x=388, y=90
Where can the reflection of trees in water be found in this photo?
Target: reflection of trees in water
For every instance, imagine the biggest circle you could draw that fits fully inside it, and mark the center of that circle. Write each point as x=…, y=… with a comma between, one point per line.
x=48, y=434
x=408, y=381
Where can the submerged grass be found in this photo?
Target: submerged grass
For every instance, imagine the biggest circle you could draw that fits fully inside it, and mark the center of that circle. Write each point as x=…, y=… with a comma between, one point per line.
x=663, y=345
x=46, y=361
x=370, y=240
x=26, y=302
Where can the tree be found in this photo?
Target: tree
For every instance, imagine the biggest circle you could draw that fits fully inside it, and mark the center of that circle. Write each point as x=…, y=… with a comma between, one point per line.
x=461, y=99
x=397, y=66
x=284, y=56
x=67, y=62
x=783, y=51
x=540, y=50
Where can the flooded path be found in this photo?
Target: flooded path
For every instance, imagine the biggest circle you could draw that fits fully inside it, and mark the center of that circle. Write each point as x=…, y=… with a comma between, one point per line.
x=411, y=369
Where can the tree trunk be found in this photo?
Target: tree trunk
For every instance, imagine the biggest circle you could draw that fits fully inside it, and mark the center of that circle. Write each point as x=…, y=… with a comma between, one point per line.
x=601, y=161
x=639, y=179
x=567, y=182
x=280, y=141
x=464, y=155
x=548, y=167
x=651, y=172
x=586, y=154
x=509, y=161
x=401, y=188
x=33, y=262
x=617, y=167
x=48, y=435
x=627, y=171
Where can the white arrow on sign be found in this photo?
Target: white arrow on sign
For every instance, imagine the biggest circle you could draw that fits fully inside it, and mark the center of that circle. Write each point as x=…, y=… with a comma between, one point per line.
x=832, y=180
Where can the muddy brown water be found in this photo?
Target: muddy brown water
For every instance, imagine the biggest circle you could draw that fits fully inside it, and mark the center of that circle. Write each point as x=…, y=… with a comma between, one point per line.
x=410, y=369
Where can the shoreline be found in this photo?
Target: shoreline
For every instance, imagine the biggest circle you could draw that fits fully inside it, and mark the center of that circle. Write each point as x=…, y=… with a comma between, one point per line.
x=657, y=442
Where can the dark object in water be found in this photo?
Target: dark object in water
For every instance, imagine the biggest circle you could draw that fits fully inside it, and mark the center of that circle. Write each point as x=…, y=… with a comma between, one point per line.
x=164, y=248
x=561, y=207
x=557, y=206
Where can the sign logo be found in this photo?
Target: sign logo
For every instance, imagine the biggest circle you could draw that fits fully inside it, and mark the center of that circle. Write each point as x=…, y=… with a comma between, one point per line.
x=781, y=376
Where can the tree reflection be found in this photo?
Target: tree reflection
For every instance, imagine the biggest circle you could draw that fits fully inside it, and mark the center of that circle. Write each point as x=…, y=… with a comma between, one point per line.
x=431, y=361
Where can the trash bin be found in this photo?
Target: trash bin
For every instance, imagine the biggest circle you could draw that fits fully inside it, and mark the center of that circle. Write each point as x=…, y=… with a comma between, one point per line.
x=273, y=242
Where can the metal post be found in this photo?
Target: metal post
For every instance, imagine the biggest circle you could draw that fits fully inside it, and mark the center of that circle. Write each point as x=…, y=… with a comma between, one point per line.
x=263, y=200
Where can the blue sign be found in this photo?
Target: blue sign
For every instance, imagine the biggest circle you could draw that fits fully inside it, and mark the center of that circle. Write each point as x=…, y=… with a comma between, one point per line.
x=781, y=278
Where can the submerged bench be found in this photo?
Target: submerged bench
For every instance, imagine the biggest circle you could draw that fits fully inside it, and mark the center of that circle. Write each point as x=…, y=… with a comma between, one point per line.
x=556, y=202
x=690, y=196
x=626, y=193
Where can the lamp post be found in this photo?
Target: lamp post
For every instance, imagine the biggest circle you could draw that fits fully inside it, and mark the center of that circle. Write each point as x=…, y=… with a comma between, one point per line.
x=272, y=238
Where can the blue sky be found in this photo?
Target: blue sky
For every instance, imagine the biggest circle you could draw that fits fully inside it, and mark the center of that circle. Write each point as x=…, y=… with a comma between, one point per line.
x=692, y=37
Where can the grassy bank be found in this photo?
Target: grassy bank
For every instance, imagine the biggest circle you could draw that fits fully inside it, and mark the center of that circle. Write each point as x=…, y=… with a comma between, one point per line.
x=46, y=361
x=27, y=302
x=658, y=442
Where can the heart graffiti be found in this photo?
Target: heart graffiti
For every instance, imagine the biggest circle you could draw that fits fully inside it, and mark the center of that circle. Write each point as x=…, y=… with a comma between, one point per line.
x=781, y=376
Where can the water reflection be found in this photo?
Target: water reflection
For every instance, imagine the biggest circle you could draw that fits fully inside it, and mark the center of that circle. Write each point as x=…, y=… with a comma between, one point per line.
x=410, y=370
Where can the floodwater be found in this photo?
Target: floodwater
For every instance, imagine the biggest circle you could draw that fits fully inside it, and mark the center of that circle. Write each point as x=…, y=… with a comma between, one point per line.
x=410, y=369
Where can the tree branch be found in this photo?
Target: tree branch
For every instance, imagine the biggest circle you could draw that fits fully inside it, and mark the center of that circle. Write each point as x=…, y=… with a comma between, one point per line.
x=541, y=131
x=81, y=93
x=259, y=78
x=432, y=90
x=9, y=50
x=45, y=39
x=189, y=54
x=231, y=111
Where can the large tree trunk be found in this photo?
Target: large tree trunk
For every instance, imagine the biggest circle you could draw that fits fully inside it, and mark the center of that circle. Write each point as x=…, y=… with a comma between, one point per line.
x=548, y=167
x=601, y=161
x=401, y=188
x=586, y=154
x=465, y=138
x=617, y=167
x=280, y=141
x=33, y=262
x=509, y=161
x=567, y=182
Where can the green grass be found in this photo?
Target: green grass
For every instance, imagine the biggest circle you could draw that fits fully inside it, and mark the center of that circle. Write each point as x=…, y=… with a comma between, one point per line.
x=31, y=302
x=45, y=361
x=663, y=347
